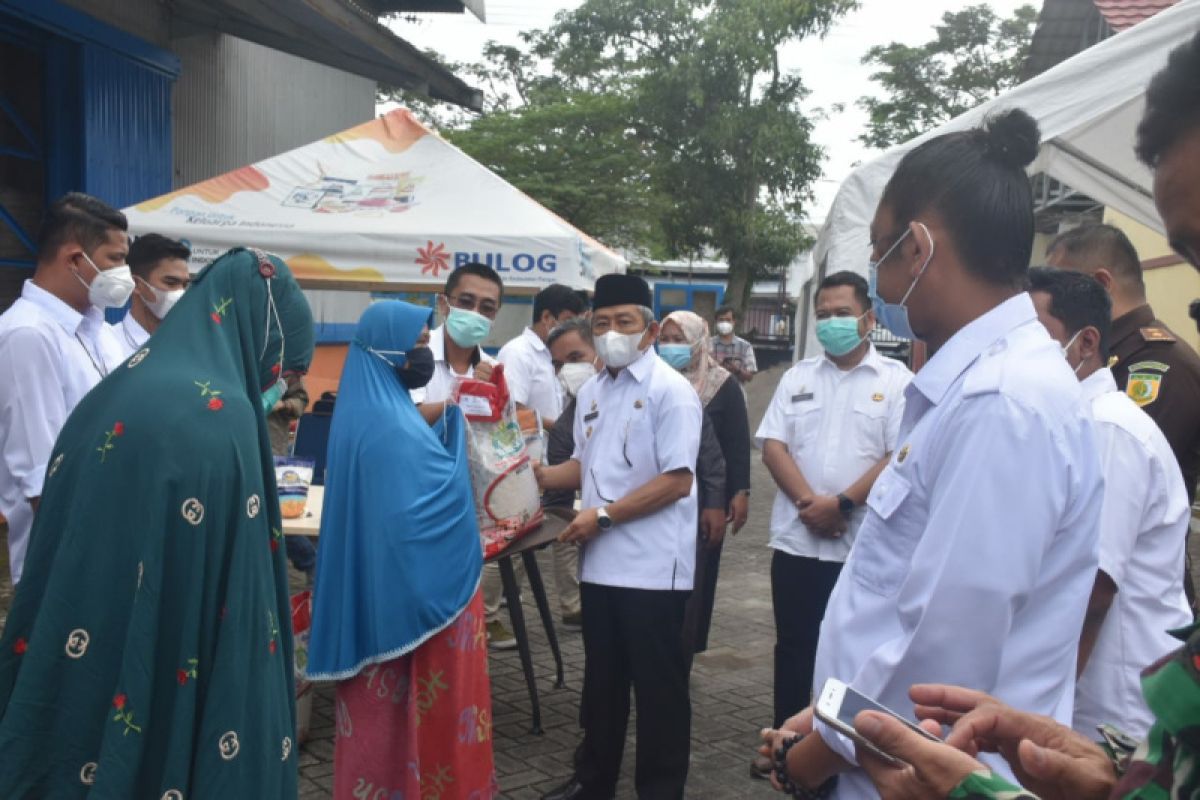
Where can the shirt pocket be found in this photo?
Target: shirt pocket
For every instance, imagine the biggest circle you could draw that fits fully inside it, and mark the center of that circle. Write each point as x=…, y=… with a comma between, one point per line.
x=870, y=420
x=885, y=543
x=804, y=424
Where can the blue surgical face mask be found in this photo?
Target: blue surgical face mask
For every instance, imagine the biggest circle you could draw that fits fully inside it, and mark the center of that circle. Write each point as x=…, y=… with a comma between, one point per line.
x=678, y=356
x=839, y=335
x=467, y=328
x=894, y=316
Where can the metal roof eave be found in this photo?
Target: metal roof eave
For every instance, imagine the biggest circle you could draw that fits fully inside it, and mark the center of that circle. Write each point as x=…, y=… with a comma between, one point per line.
x=338, y=33
x=431, y=6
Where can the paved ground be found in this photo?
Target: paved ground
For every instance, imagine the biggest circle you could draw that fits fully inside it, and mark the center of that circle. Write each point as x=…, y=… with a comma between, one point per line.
x=731, y=684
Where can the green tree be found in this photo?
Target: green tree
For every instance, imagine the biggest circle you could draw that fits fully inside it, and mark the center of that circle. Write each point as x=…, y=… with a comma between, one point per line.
x=575, y=153
x=731, y=145
x=666, y=126
x=975, y=56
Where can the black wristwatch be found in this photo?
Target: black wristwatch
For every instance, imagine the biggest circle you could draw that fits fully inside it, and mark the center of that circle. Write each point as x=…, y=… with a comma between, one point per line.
x=603, y=520
x=845, y=505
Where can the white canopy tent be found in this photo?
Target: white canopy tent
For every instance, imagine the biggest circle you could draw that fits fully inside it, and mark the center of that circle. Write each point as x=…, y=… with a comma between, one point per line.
x=1087, y=107
x=385, y=206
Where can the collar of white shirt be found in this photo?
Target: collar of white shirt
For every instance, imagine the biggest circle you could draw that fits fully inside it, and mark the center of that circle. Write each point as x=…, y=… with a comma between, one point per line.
x=136, y=332
x=68, y=318
x=535, y=341
x=639, y=370
x=872, y=360
x=940, y=372
x=1099, y=382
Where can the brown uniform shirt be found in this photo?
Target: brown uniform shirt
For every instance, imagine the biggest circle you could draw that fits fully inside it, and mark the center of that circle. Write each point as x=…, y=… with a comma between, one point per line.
x=1162, y=375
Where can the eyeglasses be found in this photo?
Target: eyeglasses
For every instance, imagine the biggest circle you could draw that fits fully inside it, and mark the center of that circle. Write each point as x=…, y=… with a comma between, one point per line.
x=469, y=302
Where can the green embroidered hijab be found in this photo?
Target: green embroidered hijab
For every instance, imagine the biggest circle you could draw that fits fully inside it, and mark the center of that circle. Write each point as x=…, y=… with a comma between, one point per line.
x=149, y=653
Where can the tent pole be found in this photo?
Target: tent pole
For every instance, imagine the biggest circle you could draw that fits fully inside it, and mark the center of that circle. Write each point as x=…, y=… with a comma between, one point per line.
x=1103, y=169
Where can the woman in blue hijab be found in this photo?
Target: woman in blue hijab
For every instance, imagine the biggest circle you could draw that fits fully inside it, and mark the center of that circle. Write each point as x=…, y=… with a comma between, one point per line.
x=397, y=614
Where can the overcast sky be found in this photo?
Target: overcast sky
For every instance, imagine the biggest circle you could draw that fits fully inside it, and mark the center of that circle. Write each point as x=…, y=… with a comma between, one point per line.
x=830, y=66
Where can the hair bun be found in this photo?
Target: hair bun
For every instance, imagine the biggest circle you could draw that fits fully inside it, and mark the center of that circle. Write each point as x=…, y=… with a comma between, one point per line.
x=1012, y=137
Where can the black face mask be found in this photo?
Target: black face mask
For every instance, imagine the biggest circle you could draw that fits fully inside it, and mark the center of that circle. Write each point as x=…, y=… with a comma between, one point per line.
x=418, y=369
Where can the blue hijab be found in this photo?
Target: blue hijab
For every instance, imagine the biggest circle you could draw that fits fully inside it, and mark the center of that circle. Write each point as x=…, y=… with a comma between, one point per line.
x=399, y=557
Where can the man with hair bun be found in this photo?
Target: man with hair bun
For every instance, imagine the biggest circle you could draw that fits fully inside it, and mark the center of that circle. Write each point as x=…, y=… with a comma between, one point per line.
x=977, y=553
x=1055, y=762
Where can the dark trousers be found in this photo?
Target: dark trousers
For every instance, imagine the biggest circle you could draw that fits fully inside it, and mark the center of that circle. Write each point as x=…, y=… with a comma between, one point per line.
x=698, y=616
x=800, y=589
x=633, y=638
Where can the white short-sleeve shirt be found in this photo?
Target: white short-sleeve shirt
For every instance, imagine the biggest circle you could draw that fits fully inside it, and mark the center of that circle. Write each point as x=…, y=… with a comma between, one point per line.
x=1143, y=532
x=130, y=334
x=629, y=430
x=836, y=424
x=979, y=550
x=439, y=387
x=529, y=372
x=50, y=357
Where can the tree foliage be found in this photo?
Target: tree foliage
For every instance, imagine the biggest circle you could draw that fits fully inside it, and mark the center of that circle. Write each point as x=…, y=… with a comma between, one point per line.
x=732, y=149
x=975, y=56
x=666, y=126
x=578, y=156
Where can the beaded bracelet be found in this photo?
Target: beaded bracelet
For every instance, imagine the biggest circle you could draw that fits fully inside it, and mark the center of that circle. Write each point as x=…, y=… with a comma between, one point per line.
x=785, y=781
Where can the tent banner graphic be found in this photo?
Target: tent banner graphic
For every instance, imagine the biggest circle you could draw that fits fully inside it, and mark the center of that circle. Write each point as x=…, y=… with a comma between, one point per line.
x=388, y=202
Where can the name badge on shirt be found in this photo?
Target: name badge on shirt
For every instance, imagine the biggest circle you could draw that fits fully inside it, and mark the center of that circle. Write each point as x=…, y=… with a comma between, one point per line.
x=591, y=416
x=803, y=396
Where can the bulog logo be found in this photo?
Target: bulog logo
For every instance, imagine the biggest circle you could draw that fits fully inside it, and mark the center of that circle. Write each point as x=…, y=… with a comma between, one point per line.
x=521, y=262
x=434, y=258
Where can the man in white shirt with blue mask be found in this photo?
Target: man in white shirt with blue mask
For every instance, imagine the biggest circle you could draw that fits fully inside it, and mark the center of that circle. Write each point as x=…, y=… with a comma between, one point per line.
x=467, y=306
x=55, y=346
x=825, y=438
x=160, y=276
x=978, y=551
x=1138, y=594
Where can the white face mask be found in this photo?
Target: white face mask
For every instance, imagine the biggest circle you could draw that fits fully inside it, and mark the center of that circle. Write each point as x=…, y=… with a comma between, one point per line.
x=110, y=288
x=619, y=350
x=1067, y=347
x=724, y=328
x=574, y=376
x=164, y=303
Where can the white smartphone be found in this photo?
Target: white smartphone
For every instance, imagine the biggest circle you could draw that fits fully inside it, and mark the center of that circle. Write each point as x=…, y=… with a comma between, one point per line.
x=838, y=705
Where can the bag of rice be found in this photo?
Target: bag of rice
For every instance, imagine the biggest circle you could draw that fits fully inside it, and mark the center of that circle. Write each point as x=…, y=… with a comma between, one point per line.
x=507, y=503
x=292, y=478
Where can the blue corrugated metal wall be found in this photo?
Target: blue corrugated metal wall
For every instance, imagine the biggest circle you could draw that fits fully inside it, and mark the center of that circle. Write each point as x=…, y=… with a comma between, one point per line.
x=126, y=132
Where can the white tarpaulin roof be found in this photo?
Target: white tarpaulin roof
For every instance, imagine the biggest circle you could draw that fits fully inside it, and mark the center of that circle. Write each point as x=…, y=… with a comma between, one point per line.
x=387, y=204
x=1087, y=107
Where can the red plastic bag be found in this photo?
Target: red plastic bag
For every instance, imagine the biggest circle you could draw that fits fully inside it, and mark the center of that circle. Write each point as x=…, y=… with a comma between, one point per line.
x=301, y=624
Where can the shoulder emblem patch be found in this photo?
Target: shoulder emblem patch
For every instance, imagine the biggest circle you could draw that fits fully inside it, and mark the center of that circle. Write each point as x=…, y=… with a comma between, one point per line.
x=1152, y=366
x=1144, y=387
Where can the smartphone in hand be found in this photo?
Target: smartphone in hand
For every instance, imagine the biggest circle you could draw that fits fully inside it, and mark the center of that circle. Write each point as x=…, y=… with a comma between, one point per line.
x=838, y=705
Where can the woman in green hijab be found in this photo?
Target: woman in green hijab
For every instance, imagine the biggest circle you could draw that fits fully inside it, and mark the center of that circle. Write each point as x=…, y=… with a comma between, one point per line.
x=148, y=653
